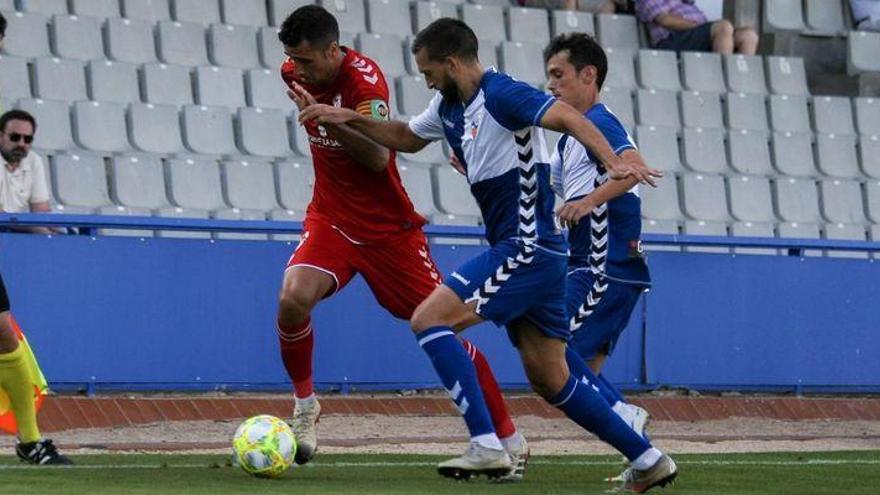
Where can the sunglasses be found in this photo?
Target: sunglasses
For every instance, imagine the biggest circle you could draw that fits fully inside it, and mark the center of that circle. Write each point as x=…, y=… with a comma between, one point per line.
x=16, y=138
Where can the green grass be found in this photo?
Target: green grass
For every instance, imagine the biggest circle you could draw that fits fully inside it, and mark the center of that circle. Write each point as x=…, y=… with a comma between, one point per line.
x=741, y=474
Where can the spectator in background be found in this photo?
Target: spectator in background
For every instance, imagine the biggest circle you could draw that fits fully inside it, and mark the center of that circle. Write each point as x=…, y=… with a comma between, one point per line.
x=23, y=185
x=866, y=14
x=681, y=26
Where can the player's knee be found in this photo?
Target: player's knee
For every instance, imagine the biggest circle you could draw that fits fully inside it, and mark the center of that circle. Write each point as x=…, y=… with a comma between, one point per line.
x=421, y=319
x=294, y=305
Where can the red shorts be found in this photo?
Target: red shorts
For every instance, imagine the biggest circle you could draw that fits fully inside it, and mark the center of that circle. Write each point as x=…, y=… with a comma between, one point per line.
x=400, y=272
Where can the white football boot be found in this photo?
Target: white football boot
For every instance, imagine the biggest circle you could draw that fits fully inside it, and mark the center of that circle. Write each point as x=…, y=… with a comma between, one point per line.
x=304, y=426
x=519, y=453
x=662, y=473
x=477, y=460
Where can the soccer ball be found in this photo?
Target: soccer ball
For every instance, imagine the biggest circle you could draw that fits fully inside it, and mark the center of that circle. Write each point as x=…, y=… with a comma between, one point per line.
x=263, y=446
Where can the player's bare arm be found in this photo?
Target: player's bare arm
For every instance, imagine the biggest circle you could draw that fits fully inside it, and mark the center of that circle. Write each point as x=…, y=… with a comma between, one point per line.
x=365, y=151
x=562, y=117
x=394, y=134
x=572, y=212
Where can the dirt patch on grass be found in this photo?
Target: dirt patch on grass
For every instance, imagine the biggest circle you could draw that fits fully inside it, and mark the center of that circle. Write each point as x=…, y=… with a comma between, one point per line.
x=446, y=435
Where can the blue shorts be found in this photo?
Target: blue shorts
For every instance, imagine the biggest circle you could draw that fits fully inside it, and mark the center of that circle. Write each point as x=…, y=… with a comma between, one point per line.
x=512, y=280
x=698, y=39
x=598, y=312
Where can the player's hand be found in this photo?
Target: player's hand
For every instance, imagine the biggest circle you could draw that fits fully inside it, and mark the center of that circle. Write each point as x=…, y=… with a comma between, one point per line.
x=326, y=114
x=300, y=96
x=572, y=212
x=457, y=165
x=633, y=166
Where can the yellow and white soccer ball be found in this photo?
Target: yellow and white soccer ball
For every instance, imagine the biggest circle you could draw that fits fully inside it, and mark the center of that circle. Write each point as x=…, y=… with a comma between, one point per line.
x=264, y=446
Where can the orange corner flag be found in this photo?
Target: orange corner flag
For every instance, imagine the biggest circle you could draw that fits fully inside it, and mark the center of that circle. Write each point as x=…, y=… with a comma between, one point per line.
x=41, y=388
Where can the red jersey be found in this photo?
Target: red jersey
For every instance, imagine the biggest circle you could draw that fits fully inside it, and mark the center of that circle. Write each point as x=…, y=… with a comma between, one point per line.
x=366, y=206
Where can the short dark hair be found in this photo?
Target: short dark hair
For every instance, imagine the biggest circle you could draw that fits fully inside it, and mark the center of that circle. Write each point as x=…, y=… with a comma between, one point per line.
x=447, y=37
x=17, y=115
x=310, y=23
x=583, y=50
x=2, y=25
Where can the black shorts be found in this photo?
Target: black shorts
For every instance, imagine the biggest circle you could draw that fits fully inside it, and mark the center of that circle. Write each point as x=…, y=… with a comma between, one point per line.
x=4, y=298
x=698, y=39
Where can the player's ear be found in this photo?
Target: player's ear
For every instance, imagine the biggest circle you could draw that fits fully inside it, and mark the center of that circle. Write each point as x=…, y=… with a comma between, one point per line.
x=588, y=74
x=452, y=64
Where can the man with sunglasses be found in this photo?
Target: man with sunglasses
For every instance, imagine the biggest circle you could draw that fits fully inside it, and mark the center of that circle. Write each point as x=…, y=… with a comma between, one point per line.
x=23, y=185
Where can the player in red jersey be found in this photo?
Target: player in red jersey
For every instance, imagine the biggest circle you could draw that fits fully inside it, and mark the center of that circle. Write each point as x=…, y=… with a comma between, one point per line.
x=360, y=219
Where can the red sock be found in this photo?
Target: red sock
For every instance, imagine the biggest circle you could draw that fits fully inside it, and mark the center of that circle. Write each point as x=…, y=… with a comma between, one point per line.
x=504, y=426
x=297, y=343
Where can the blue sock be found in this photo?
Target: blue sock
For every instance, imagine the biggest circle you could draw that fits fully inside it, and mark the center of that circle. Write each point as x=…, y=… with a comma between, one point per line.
x=578, y=367
x=583, y=405
x=456, y=371
x=611, y=394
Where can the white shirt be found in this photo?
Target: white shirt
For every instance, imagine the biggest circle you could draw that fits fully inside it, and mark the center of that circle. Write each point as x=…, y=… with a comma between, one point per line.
x=24, y=186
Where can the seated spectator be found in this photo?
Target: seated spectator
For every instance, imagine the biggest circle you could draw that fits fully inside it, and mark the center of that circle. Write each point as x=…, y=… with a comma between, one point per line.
x=681, y=26
x=23, y=185
x=594, y=6
x=866, y=14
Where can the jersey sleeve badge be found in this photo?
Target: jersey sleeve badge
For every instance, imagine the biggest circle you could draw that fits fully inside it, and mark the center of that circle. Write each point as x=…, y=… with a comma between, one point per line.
x=376, y=109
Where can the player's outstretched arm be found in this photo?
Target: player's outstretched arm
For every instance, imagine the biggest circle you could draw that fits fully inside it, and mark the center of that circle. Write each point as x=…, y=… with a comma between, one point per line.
x=572, y=212
x=392, y=134
x=562, y=117
x=363, y=150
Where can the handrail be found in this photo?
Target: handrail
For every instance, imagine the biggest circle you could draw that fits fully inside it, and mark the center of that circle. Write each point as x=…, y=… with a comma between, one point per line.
x=284, y=227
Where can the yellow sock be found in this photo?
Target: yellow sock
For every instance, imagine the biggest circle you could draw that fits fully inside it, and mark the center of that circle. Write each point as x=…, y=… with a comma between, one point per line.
x=16, y=380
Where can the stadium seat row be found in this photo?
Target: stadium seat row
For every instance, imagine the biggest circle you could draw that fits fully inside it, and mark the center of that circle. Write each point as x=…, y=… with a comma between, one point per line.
x=691, y=196
x=201, y=187
x=109, y=127
x=758, y=152
x=398, y=17
x=829, y=114
x=698, y=71
x=246, y=47
x=748, y=206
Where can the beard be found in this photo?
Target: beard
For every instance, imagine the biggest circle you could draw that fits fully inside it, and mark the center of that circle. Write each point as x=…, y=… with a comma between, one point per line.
x=14, y=155
x=449, y=89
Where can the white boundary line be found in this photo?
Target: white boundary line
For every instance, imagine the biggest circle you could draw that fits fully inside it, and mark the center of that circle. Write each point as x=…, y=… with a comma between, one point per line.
x=316, y=465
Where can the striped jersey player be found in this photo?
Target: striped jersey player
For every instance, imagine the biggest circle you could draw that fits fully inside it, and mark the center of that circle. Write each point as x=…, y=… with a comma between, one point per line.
x=491, y=122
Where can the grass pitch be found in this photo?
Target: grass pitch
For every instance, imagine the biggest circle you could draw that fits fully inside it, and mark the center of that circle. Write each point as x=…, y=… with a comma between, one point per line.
x=741, y=474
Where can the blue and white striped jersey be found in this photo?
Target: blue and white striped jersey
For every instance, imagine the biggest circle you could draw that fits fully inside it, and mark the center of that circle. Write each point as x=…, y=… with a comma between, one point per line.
x=608, y=243
x=495, y=136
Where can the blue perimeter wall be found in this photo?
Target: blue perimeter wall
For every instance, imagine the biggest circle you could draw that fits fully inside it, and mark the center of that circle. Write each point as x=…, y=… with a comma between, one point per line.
x=105, y=313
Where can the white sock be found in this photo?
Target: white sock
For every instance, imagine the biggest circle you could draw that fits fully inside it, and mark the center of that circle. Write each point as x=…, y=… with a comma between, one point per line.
x=513, y=442
x=647, y=459
x=488, y=440
x=619, y=408
x=305, y=401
